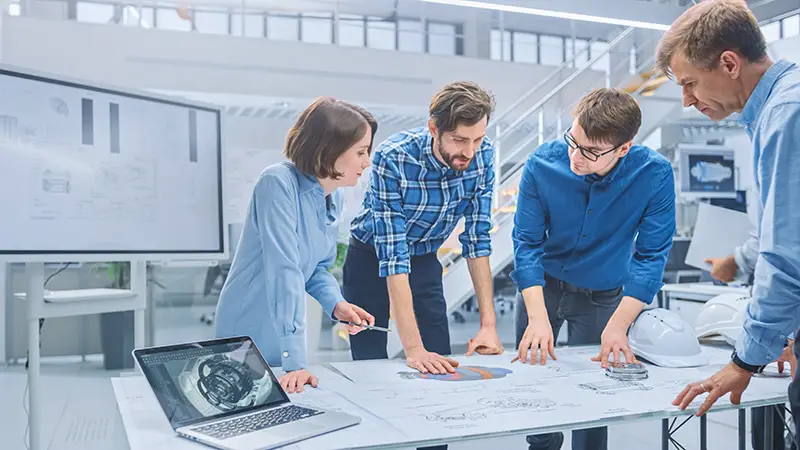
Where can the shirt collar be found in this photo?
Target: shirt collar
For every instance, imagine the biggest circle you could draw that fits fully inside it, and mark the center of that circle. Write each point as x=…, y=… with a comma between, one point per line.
x=609, y=177
x=430, y=158
x=306, y=182
x=754, y=105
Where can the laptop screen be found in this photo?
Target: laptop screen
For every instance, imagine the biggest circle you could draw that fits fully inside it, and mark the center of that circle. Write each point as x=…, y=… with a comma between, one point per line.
x=210, y=379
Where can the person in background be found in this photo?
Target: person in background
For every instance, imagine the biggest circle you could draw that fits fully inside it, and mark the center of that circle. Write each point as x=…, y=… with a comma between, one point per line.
x=288, y=241
x=716, y=52
x=740, y=266
x=594, y=225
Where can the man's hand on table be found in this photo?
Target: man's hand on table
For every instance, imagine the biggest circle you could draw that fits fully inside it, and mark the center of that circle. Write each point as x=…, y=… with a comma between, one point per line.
x=730, y=378
x=614, y=341
x=293, y=381
x=429, y=362
x=486, y=342
x=539, y=339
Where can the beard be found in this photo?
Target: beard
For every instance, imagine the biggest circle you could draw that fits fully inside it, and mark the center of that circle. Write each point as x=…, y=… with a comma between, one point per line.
x=456, y=162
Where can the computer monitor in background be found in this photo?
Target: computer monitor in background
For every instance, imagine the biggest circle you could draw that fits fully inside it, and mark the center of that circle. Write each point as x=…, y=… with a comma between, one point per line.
x=676, y=260
x=706, y=171
x=737, y=204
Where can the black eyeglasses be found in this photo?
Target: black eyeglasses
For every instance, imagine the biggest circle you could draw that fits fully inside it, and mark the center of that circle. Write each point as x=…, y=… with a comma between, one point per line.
x=588, y=154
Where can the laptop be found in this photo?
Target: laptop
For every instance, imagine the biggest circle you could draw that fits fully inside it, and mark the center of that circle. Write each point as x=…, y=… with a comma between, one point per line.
x=222, y=393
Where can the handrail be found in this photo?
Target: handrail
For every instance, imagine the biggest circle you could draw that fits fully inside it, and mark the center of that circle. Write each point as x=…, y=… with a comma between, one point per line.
x=561, y=85
x=540, y=84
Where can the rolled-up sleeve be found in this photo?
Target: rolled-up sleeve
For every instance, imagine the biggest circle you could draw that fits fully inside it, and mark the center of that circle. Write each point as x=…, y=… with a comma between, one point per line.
x=475, y=240
x=746, y=256
x=530, y=226
x=390, y=221
x=275, y=205
x=774, y=310
x=653, y=241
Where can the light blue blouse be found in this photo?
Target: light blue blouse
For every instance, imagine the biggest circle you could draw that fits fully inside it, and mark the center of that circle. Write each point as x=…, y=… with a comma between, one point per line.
x=288, y=243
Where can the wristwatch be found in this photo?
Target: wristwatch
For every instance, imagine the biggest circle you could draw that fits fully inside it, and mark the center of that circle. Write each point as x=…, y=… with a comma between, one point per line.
x=743, y=365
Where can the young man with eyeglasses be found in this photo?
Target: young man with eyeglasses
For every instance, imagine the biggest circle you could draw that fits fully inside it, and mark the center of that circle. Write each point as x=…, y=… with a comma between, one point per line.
x=594, y=224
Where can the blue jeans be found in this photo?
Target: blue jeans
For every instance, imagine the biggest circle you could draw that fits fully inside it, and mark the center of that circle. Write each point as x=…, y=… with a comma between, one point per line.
x=586, y=313
x=363, y=287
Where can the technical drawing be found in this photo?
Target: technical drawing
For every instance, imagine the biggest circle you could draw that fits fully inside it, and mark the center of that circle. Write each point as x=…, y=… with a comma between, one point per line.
x=56, y=182
x=611, y=387
x=529, y=404
x=59, y=106
x=451, y=415
x=708, y=172
x=466, y=373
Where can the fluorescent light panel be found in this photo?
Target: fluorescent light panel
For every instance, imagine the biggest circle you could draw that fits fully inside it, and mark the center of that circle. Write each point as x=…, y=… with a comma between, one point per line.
x=548, y=13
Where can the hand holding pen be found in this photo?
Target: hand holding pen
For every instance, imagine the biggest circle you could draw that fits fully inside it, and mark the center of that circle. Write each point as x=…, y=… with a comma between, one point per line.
x=353, y=316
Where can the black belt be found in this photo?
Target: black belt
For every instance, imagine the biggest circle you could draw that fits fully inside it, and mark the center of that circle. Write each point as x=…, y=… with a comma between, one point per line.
x=568, y=287
x=355, y=243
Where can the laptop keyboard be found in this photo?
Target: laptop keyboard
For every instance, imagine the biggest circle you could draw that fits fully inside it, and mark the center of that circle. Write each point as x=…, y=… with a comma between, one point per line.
x=254, y=422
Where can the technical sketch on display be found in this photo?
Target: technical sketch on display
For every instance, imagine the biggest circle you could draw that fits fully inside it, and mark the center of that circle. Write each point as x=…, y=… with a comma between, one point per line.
x=711, y=173
x=98, y=170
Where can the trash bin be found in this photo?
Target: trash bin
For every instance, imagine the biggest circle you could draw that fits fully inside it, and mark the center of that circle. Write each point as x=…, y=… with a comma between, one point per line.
x=116, y=340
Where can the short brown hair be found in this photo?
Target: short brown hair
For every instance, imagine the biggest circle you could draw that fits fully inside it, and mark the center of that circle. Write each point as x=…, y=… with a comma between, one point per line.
x=706, y=30
x=610, y=116
x=325, y=130
x=460, y=103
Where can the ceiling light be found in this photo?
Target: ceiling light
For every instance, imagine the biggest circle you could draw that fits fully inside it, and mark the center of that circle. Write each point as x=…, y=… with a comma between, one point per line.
x=548, y=13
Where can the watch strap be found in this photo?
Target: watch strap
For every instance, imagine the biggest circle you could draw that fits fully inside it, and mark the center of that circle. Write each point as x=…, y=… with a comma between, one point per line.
x=743, y=365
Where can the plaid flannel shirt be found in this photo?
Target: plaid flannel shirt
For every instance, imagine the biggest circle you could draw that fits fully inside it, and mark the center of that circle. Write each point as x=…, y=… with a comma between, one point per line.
x=413, y=202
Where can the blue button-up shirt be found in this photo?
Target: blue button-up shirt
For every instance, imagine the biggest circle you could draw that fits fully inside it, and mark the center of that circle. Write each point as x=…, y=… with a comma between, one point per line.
x=414, y=201
x=771, y=117
x=288, y=243
x=592, y=232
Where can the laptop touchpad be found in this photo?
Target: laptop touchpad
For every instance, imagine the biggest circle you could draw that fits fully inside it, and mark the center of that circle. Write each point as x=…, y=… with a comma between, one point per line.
x=297, y=428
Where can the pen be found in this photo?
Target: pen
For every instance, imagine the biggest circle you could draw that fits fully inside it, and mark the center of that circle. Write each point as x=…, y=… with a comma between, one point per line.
x=367, y=326
x=516, y=358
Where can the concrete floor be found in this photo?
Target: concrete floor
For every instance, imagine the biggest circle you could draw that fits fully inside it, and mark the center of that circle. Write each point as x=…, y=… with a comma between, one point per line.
x=80, y=411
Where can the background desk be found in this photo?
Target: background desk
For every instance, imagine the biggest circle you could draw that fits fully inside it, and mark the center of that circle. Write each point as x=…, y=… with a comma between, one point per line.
x=400, y=412
x=699, y=292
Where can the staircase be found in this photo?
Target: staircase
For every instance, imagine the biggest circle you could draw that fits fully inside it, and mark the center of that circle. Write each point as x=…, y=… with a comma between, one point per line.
x=529, y=122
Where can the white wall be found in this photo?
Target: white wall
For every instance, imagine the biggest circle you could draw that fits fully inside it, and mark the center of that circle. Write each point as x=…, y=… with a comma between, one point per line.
x=195, y=62
x=786, y=49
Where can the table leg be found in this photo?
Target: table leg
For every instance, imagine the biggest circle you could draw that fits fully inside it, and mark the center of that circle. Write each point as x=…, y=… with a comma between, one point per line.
x=665, y=434
x=34, y=421
x=742, y=429
x=769, y=417
x=703, y=432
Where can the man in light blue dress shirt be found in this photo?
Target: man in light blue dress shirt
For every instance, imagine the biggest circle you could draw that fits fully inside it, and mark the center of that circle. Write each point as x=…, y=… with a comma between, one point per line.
x=717, y=54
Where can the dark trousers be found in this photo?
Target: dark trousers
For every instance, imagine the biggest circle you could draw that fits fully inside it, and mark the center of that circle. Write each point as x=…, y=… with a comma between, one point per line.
x=757, y=425
x=586, y=313
x=363, y=287
x=794, y=394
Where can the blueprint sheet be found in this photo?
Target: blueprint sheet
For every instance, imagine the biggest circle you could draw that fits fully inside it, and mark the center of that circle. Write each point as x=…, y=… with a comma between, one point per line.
x=489, y=394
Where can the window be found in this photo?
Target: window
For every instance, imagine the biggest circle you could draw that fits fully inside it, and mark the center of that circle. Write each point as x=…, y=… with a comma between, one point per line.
x=581, y=52
x=604, y=63
x=525, y=47
x=14, y=8
x=138, y=17
x=772, y=31
x=500, y=48
x=283, y=27
x=213, y=22
x=381, y=34
x=441, y=38
x=317, y=28
x=169, y=19
x=551, y=50
x=791, y=26
x=410, y=36
x=248, y=25
x=351, y=30
x=93, y=12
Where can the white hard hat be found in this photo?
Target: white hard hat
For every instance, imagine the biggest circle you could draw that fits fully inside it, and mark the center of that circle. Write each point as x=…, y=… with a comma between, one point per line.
x=663, y=338
x=723, y=316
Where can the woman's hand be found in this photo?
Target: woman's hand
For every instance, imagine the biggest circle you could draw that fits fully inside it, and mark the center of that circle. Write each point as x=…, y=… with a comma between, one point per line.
x=294, y=381
x=349, y=312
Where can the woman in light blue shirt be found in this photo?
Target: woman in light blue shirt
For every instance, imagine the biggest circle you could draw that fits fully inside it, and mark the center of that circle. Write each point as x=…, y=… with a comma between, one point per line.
x=289, y=236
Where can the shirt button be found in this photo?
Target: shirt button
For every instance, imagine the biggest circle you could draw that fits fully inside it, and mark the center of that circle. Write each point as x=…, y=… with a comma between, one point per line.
x=584, y=236
x=591, y=211
x=285, y=354
x=783, y=337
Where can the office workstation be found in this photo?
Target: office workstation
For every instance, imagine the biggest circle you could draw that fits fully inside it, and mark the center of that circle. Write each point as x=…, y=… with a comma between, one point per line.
x=394, y=225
